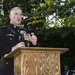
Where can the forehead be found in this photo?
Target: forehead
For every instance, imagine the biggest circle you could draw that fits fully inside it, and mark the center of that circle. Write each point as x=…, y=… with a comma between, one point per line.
x=16, y=11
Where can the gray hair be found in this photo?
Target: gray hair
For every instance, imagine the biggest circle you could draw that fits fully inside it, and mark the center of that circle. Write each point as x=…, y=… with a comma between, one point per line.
x=15, y=8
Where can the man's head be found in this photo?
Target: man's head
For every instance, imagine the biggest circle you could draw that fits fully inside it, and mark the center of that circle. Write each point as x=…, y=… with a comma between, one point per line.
x=15, y=16
x=66, y=67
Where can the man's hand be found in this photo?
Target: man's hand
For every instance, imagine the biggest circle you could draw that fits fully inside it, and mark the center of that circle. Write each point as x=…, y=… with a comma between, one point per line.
x=21, y=44
x=33, y=39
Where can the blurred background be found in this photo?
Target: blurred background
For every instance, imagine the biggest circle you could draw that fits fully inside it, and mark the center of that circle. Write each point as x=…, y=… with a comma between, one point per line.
x=53, y=21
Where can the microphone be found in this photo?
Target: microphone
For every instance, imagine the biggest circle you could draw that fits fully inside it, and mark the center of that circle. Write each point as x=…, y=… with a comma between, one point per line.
x=22, y=33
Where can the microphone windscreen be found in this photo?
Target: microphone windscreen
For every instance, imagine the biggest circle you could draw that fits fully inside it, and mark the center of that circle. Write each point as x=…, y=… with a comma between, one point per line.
x=22, y=32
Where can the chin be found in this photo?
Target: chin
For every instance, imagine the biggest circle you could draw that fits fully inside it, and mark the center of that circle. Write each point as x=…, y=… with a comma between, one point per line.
x=18, y=24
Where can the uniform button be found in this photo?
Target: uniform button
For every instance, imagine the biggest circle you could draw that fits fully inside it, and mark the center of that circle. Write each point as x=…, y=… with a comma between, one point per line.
x=10, y=38
x=6, y=63
x=17, y=30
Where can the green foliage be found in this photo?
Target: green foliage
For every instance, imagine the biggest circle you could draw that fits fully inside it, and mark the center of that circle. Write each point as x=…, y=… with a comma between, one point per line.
x=53, y=21
x=37, y=10
x=1, y=13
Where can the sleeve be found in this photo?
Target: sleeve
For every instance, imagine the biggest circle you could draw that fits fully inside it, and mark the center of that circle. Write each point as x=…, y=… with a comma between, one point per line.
x=4, y=48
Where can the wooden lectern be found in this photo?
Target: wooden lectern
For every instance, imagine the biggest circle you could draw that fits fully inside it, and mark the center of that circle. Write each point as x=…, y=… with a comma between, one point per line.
x=36, y=60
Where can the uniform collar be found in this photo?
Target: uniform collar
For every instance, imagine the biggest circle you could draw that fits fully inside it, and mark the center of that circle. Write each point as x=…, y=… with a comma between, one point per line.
x=14, y=27
x=17, y=28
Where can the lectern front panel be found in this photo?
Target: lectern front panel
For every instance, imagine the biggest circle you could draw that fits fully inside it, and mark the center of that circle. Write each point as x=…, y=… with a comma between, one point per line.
x=37, y=63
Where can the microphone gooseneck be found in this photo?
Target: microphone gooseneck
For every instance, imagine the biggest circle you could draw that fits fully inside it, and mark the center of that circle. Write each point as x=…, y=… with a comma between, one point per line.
x=22, y=33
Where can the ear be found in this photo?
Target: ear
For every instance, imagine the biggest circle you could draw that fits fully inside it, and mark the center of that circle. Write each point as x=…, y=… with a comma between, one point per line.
x=9, y=16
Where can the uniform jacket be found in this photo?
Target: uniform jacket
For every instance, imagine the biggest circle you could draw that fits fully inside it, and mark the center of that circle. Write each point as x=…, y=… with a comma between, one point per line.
x=9, y=37
x=68, y=73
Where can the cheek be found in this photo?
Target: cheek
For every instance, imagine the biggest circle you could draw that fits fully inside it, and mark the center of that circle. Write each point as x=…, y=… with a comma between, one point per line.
x=13, y=17
x=21, y=17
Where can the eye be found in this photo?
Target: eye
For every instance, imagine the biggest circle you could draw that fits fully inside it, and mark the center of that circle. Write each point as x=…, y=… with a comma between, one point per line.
x=20, y=14
x=16, y=13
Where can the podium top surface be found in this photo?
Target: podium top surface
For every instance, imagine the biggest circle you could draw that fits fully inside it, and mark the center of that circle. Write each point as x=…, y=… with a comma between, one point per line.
x=12, y=54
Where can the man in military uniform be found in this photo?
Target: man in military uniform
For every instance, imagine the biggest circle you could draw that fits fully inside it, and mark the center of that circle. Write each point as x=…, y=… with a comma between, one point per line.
x=12, y=37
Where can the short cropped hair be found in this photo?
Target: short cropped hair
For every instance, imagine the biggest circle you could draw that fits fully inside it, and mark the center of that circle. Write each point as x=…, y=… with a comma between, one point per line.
x=15, y=8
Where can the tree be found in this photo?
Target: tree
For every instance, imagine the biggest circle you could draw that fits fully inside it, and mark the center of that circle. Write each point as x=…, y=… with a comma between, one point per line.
x=1, y=12
x=53, y=21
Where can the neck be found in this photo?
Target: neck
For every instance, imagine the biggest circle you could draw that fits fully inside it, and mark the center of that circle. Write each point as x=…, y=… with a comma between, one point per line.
x=15, y=24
